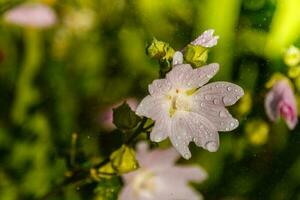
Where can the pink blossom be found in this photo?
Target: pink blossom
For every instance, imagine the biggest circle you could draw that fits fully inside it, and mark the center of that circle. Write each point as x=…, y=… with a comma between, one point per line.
x=185, y=111
x=207, y=39
x=159, y=178
x=106, y=118
x=32, y=15
x=280, y=101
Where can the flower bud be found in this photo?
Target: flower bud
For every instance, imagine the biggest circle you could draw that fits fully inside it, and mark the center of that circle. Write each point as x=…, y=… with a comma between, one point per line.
x=123, y=159
x=160, y=50
x=195, y=55
x=292, y=56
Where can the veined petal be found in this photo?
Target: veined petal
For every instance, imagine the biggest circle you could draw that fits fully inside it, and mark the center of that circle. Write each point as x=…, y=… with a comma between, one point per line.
x=152, y=107
x=219, y=93
x=206, y=39
x=203, y=132
x=180, y=75
x=180, y=136
x=217, y=115
x=202, y=75
x=159, y=87
x=161, y=129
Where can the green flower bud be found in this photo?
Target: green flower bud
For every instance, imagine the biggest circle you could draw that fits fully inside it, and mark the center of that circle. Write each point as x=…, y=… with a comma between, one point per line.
x=123, y=159
x=292, y=56
x=160, y=50
x=105, y=171
x=196, y=55
x=124, y=117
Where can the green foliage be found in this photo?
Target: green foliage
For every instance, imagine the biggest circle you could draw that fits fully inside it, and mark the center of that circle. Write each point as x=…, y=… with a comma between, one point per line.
x=108, y=189
x=124, y=117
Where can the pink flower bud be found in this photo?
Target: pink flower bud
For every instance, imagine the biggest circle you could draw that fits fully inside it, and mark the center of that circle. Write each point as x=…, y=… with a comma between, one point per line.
x=281, y=102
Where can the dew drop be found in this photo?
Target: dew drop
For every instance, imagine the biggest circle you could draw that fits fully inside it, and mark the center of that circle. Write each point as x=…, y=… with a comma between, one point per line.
x=227, y=100
x=209, y=76
x=211, y=146
x=216, y=101
x=229, y=88
x=232, y=124
x=222, y=113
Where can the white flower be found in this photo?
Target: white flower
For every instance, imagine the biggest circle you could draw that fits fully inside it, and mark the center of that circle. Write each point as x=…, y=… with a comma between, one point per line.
x=32, y=15
x=184, y=111
x=207, y=39
x=158, y=178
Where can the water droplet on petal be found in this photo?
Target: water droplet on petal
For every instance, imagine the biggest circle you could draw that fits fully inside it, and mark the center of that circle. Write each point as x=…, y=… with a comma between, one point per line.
x=216, y=101
x=232, y=124
x=229, y=88
x=222, y=113
x=227, y=100
x=211, y=146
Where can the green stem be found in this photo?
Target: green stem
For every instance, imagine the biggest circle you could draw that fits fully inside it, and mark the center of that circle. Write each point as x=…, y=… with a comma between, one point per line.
x=83, y=174
x=26, y=93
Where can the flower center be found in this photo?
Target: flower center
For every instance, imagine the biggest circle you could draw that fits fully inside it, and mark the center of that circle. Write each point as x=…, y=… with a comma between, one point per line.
x=144, y=184
x=180, y=100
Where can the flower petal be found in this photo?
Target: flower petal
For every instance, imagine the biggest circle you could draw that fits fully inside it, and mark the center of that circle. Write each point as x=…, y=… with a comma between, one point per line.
x=202, y=75
x=180, y=75
x=161, y=129
x=30, y=14
x=158, y=158
x=206, y=39
x=180, y=137
x=177, y=58
x=219, y=93
x=159, y=87
x=271, y=103
x=217, y=115
x=188, y=173
x=127, y=193
x=152, y=107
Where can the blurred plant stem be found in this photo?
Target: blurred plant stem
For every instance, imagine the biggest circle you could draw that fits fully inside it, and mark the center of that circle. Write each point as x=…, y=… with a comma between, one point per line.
x=26, y=94
x=84, y=175
x=285, y=27
x=223, y=17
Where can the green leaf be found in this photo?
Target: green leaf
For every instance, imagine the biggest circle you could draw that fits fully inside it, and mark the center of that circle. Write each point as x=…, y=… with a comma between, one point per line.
x=195, y=55
x=108, y=189
x=124, y=117
x=123, y=159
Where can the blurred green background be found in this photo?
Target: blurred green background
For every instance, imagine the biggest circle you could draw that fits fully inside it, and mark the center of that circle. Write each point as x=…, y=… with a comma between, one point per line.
x=59, y=81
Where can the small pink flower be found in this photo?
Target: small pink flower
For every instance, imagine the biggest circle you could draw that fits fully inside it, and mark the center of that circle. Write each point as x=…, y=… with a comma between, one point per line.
x=106, y=118
x=280, y=101
x=32, y=15
x=159, y=178
x=207, y=39
x=185, y=111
